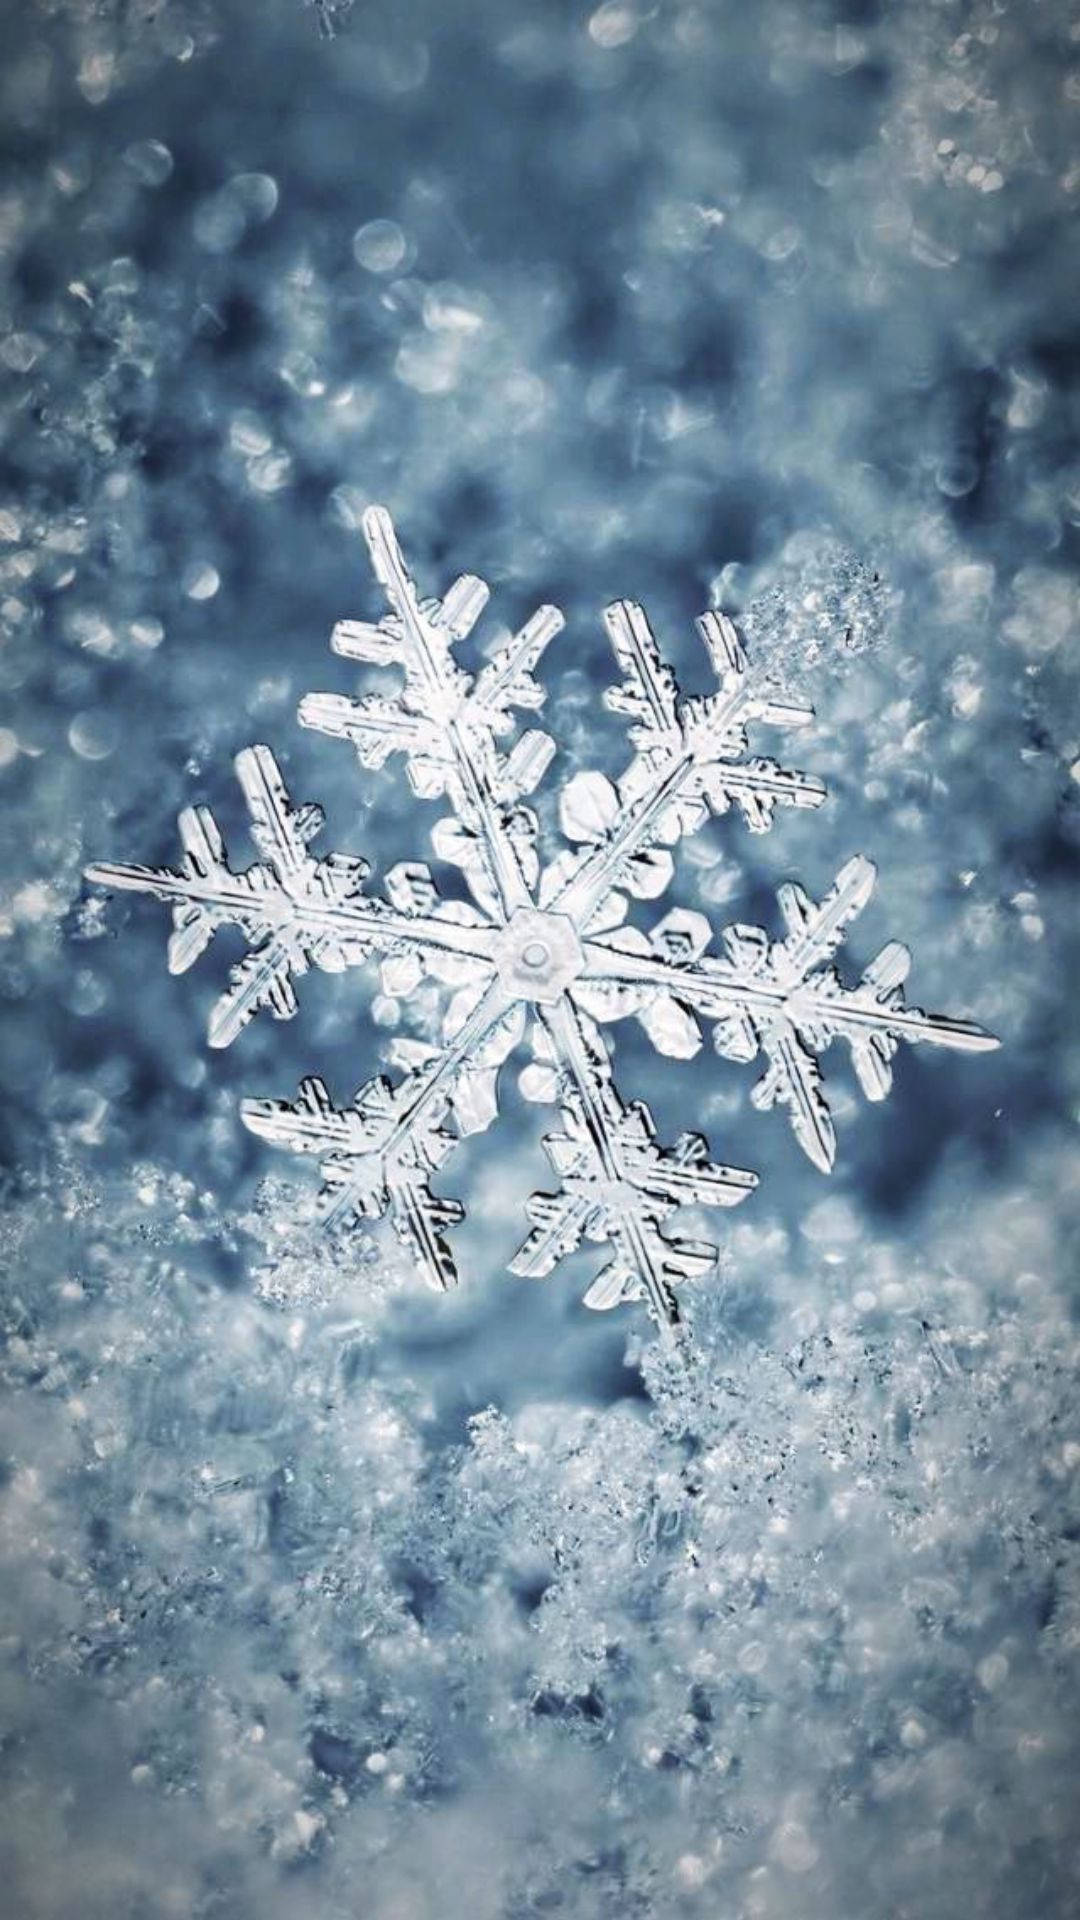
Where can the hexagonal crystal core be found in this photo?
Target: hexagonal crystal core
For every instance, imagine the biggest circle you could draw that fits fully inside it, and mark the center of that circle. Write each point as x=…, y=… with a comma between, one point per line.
x=538, y=955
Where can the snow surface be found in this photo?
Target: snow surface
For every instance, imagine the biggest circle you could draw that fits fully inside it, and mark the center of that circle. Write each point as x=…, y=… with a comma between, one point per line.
x=322, y=1597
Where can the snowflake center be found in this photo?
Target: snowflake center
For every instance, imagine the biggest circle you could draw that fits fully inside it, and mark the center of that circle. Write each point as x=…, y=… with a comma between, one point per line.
x=538, y=954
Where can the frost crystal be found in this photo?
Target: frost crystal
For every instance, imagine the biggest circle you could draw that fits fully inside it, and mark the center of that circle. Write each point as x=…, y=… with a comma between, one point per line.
x=542, y=955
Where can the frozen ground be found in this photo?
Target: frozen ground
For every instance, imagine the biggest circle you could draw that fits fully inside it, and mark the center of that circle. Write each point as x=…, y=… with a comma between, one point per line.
x=323, y=1598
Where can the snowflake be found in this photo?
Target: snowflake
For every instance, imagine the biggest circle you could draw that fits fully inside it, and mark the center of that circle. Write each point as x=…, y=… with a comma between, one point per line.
x=540, y=952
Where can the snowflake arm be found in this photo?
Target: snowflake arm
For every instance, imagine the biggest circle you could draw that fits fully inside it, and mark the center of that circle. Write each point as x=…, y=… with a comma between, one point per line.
x=691, y=760
x=363, y=1172
x=295, y=912
x=446, y=724
x=379, y=1154
x=780, y=998
x=617, y=1184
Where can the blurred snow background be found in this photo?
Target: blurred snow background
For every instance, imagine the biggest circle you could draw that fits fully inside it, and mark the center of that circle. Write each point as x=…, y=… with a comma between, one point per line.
x=321, y=1597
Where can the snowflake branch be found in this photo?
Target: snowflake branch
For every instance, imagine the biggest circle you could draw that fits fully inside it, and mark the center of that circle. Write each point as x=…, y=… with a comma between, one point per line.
x=294, y=911
x=445, y=726
x=378, y=1154
x=691, y=761
x=617, y=1184
x=780, y=997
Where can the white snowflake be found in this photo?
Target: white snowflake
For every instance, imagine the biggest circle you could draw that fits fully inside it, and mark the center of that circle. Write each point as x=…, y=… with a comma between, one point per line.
x=542, y=952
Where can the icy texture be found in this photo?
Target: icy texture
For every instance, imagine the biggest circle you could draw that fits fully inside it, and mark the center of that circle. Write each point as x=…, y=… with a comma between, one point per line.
x=343, y=1653
x=544, y=943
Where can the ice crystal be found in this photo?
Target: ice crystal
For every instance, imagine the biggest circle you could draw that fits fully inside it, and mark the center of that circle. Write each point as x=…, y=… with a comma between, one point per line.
x=542, y=954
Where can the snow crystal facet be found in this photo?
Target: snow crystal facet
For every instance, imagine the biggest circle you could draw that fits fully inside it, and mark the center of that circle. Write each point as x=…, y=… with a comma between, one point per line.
x=542, y=955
